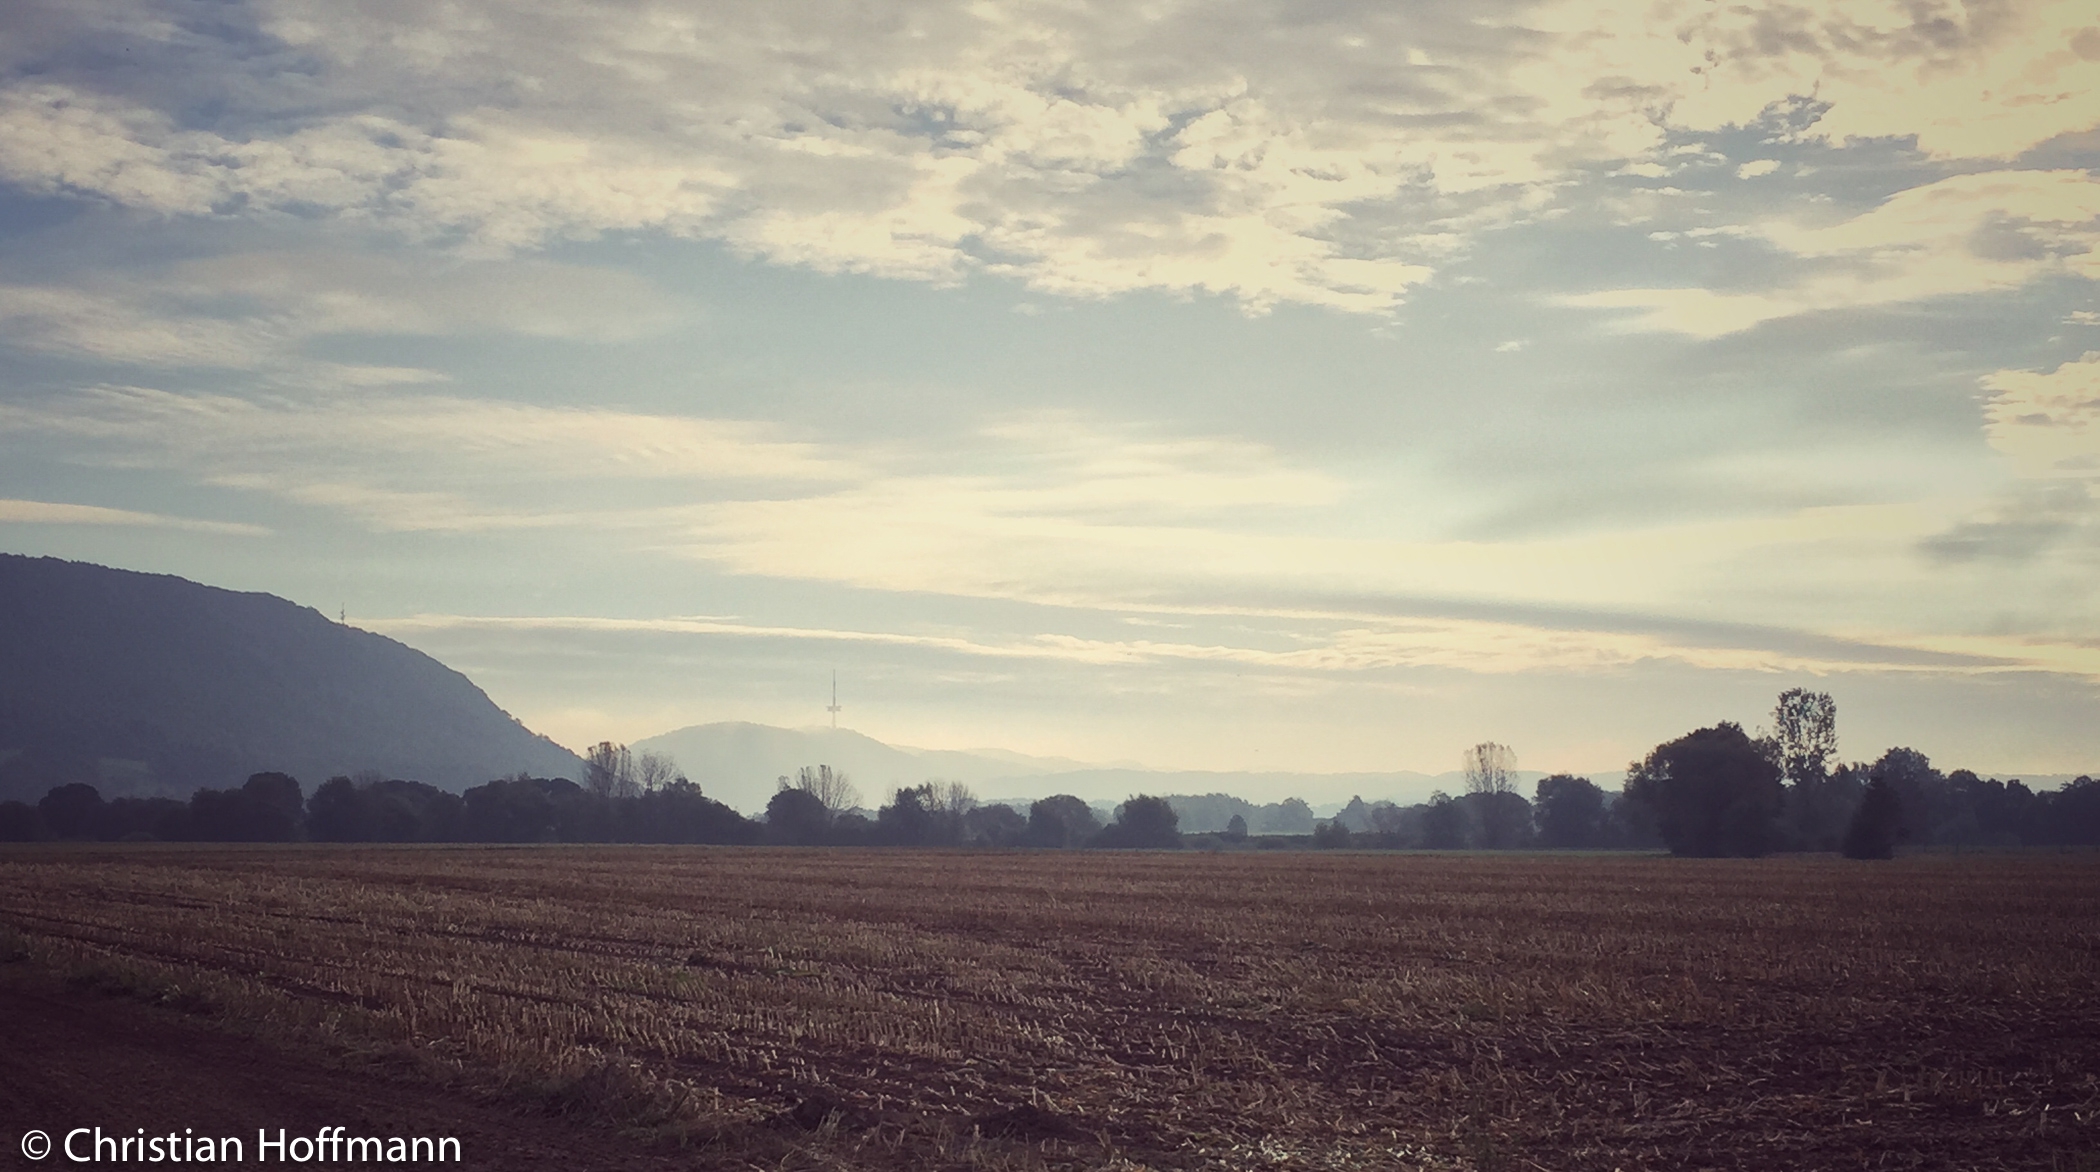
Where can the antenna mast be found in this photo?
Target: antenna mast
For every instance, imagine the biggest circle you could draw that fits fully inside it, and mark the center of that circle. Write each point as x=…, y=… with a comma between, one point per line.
x=834, y=709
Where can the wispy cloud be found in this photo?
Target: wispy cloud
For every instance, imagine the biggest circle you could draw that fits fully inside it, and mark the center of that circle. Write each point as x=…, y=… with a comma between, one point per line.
x=1969, y=234
x=2048, y=424
x=21, y=512
x=1342, y=644
x=255, y=311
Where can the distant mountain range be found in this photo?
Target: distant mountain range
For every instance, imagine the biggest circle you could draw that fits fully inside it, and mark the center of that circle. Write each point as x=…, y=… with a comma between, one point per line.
x=148, y=683
x=740, y=764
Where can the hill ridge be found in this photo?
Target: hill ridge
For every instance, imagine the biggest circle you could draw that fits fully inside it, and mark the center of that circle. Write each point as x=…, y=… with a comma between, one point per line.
x=151, y=683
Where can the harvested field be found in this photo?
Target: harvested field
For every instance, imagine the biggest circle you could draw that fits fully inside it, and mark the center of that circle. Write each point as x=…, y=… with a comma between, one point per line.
x=811, y=1009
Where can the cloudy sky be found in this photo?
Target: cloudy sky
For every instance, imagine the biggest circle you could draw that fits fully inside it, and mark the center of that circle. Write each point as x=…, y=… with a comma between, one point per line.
x=1235, y=385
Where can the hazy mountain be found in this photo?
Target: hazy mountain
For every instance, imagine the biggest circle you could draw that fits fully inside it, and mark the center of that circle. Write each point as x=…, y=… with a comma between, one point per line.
x=740, y=763
x=151, y=683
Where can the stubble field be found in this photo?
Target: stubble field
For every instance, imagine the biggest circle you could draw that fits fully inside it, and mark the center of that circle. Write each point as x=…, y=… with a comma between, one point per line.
x=891, y=1009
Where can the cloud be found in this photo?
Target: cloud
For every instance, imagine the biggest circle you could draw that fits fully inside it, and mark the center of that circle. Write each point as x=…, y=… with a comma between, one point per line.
x=251, y=311
x=1969, y=234
x=1335, y=157
x=1344, y=644
x=2048, y=425
x=421, y=463
x=20, y=512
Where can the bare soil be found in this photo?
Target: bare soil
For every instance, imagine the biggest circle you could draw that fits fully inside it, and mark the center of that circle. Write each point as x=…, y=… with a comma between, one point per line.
x=1018, y=1012
x=75, y=1058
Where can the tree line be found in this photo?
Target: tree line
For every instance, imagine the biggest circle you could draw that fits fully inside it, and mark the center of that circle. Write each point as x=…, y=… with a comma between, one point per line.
x=622, y=799
x=1720, y=791
x=1716, y=791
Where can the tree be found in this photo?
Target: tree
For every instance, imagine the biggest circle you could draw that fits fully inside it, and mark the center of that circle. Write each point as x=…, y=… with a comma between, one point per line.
x=679, y=812
x=994, y=826
x=1502, y=820
x=1236, y=829
x=1500, y=812
x=1490, y=769
x=20, y=822
x=911, y=819
x=653, y=771
x=608, y=771
x=337, y=812
x=1922, y=795
x=1061, y=820
x=1143, y=821
x=952, y=797
x=1333, y=834
x=1713, y=793
x=1570, y=812
x=270, y=807
x=1804, y=735
x=517, y=809
x=73, y=810
x=1803, y=743
x=1443, y=823
x=1289, y=816
x=833, y=789
x=1877, y=824
x=796, y=817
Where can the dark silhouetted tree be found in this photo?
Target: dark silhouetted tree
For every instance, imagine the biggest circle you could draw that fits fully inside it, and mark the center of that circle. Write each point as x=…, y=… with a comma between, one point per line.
x=912, y=818
x=336, y=813
x=1061, y=821
x=1571, y=813
x=518, y=809
x=147, y=820
x=269, y=807
x=1877, y=824
x=1922, y=793
x=73, y=810
x=1714, y=793
x=1443, y=823
x=21, y=822
x=679, y=812
x=2069, y=816
x=797, y=817
x=1500, y=821
x=1804, y=744
x=1142, y=822
x=1333, y=834
x=1237, y=828
x=995, y=826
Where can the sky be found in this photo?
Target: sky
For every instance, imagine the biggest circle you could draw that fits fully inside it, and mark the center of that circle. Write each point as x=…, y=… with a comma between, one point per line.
x=1325, y=386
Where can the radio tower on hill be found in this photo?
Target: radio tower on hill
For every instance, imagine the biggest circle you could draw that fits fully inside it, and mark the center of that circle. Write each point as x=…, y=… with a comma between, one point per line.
x=834, y=709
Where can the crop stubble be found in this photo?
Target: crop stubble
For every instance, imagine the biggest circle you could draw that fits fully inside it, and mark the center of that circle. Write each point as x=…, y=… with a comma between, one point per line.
x=1161, y=1010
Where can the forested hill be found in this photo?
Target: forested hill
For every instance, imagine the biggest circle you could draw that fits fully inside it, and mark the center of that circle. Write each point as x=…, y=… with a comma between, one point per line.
x=148, y=683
